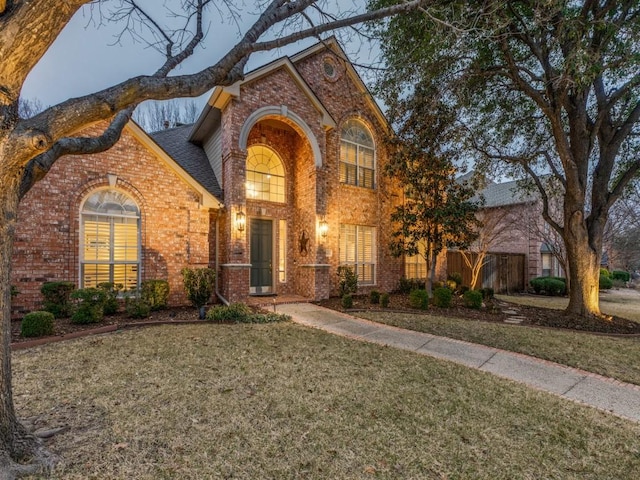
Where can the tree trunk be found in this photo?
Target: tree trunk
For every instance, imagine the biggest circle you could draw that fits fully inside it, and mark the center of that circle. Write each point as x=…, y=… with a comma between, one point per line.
x=584, y=274
x=16, y=444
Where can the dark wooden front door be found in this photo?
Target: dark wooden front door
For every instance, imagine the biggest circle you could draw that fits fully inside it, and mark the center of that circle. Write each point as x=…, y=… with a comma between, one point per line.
x=261, y=238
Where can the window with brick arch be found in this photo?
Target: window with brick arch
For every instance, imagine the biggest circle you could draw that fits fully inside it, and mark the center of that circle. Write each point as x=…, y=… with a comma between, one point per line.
x=358, y=251
x=265, y=175
x=110, y=240
x=357, y=155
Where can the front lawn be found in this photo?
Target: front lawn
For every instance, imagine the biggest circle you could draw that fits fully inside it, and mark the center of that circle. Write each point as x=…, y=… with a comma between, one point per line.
x=282, y=401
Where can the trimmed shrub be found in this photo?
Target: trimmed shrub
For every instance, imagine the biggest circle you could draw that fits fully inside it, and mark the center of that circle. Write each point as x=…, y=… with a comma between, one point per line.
x=419, y=299
x=155, y=293
x=620, y=275
x=89, y=305
x=605, y=272
x=455, y=277
x=487, y=293
x=605, y=283
x=347, y=301
x=374, y=297
x=406, y=285
x=136, y=307
x=111, y=291
x=554, y=286
x=442, y=297
x=384, y=300
x=37, y=324
x=57, y=298
x=235, y=312
x=198, y=284
x=472, y=299
x=348, y=282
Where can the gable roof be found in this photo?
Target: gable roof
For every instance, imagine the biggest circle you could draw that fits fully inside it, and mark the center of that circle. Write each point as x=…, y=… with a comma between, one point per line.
x=504, y=194
x=187, y=160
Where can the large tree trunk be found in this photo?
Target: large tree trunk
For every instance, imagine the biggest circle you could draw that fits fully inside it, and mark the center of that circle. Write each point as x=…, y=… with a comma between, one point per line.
x=20, y=452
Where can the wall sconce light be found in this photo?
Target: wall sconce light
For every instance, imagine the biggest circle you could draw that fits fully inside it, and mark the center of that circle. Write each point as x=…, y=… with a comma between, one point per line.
x=323, y=228
x=240, y=221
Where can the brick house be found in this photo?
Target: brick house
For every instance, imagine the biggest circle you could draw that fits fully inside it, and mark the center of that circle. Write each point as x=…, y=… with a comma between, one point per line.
x=277, y=184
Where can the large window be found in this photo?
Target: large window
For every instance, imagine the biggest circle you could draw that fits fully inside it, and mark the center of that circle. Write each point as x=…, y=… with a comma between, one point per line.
x=358, y=250
x=110, y=240
x=357, y=155
x=265, y=175
x=415, y=265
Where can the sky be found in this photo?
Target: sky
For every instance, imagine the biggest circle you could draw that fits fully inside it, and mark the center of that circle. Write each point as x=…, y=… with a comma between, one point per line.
x=86, y=58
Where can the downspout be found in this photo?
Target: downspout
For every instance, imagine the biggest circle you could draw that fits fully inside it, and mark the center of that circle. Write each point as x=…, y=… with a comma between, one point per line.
x=218, y=294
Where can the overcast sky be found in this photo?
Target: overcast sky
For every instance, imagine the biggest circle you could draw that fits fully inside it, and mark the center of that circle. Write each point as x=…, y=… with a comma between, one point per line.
x=84, y=58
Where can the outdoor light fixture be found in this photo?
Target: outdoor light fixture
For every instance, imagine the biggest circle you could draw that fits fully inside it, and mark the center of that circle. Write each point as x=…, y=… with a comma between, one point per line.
x=240, y=221
x=323, y=228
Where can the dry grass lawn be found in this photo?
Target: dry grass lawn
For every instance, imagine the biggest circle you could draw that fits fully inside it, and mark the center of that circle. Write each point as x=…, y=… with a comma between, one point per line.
x=624, y=302
x=284, y=402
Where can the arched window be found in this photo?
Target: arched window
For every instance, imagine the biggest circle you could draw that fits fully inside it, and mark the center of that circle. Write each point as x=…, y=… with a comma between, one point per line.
x=357, y=155
x=109, y=240
x=265, y=175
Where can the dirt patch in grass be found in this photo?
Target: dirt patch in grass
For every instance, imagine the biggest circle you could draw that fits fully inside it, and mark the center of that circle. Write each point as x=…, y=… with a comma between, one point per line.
x=496, y=310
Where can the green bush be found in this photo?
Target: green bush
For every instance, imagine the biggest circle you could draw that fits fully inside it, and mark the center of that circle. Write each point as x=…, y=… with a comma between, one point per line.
x=347, y=301
x=472, y=299
x=406, y=285
x=136, y=307
x=620, y=275
x=604, y=272
x=605, y=283
x=57, y=298
x=199, y=284
x=554, y=286
x=374, y=297
x=235, y=312
x=384, y=300
x=442, y=297
x=487, y=293
x=348, y=280
x=419, y=299
x=455, y=277
x=37, y=324
x=111, y=291
x=89, y=305
x=155, y=293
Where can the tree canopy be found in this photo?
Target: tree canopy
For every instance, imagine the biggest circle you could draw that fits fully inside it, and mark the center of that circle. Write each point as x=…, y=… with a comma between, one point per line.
x=543, y=89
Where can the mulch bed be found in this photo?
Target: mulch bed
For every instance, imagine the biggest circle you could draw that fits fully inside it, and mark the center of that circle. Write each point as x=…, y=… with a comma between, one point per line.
x=494, y=311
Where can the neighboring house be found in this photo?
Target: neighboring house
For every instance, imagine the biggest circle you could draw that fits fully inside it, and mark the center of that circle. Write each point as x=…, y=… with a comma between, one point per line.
x=277, y=184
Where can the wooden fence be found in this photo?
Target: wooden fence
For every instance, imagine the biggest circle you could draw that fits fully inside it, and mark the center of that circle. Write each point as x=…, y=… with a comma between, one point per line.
x=504, y=272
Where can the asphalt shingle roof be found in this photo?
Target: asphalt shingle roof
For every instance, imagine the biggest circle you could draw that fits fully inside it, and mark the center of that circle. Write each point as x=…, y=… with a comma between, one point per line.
x=502, y=194
x=191, y=157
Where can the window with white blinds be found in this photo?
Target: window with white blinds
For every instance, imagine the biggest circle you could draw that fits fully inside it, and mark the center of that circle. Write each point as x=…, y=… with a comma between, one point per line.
x=357, y=155
x=358, y=250
x=110, y=240
x=415, y=265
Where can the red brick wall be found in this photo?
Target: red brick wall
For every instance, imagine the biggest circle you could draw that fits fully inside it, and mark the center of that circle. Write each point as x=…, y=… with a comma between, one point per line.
x=174, y=229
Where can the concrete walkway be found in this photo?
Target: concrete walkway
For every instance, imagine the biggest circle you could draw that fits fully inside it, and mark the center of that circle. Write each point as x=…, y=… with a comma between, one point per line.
x=621, y=399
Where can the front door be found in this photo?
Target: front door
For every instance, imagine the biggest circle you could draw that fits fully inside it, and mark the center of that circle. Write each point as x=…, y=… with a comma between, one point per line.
x=261, y=244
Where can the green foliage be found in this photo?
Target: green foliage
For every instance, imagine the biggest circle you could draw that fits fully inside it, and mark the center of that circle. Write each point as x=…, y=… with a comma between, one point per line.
x=407, y=284
x=14, y=291
x=37, y=324
x=384, y=300
x=348, y=280
x=419, y=299
x=472, y=299
x=241, y=313
x=347, y=301
x=155, y=293
x=455, y=277
x=374, y=297
x=553, y=286
x=89, y=305
x=620, y=275
x=605, y=283
x=136, y=307
x=604, y=272
x=442, y=297
x=57, y=298
x=487, y=293
x=111, y=291
x=198, y=284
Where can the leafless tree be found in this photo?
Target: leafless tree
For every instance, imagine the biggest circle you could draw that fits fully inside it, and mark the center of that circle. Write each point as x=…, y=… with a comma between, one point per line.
x=30, y=146
x=154, y=116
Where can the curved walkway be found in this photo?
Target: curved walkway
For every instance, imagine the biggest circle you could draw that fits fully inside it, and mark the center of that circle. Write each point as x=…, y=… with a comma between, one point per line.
x=618, y=398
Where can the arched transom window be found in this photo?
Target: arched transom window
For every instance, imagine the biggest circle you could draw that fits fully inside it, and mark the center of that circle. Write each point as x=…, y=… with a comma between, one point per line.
x=110, y=240
x=357, y=155
x=265, y=175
